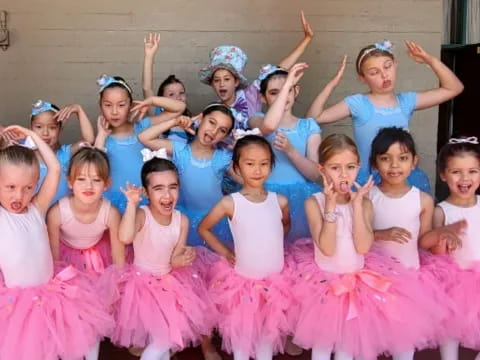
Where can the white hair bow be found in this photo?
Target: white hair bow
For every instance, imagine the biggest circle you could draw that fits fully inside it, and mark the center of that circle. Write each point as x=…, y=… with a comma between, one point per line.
x=239, y=133
x=470, y=140
x=149, y=154
x=29, y=143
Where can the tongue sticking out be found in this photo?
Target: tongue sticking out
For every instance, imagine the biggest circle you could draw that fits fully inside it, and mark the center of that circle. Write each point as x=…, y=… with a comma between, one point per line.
x=16, y=206
x=344, y=187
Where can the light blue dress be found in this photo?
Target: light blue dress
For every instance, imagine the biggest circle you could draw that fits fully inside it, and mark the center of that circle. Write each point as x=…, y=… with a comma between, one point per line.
x=369, y=119
x=63, y=156
x=126, y=163
x=201, y=189
x=285, y=179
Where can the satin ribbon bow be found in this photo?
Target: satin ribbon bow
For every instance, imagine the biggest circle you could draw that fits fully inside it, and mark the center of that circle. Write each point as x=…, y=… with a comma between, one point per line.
x=347, y=283
x=469, y=140
x=60, y=280
x=149, y=154
x=239, y=133
x=93, y=260
x=28, y=143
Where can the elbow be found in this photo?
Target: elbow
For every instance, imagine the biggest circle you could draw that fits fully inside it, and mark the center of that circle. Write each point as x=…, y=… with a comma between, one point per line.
x=459, y=88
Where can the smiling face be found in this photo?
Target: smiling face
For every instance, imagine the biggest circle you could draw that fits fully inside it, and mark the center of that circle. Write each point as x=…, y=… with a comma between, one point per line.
x=47, y=127
x=214, y=127
x=115, y=106
x=162, y=191
x=379, y=73
x=396, y=164
x=175, y=91
x=87, y=184
x=225, y=85
x=341, y=169
x=462, y=175
x=254, y=164
x=17, y=185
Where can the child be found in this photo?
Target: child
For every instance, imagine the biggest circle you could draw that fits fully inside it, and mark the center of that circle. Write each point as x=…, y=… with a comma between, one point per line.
x=158, y=307
x=456, y=223
x=249, y=286
x=353, y=306
x=295, y=141
x=43, y=315
x=171, y=87
x=118, y=135
x=83, y=227
x=225, y=75
x=382, y=106
x=47, y=121
x=201, y=164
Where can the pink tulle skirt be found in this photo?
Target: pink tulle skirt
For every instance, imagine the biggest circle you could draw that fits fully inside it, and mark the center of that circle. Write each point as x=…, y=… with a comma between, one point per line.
x=252, y=311
x=462, y=287
x=62, y=318
x=380, y=308
x=171, y=310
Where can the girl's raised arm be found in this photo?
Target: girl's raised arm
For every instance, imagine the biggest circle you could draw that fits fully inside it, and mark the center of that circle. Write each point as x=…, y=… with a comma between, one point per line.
x=172, y=108
x=86, y=128
x=133, y=219
x=151, y=43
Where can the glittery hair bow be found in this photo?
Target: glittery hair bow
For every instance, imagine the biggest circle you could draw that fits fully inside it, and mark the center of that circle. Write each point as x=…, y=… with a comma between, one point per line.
x=239, y=133
x=268, y=69
x=469, y=140
x=149, y=154
x=105, y=80
x=385, y=45
x=41, y=106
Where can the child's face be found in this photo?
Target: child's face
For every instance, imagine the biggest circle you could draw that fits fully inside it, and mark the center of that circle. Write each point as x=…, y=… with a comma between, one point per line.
x=379, y=73
x=213, y=128
x=462, y=175
x=115, y=106
x=396, y=164
x=341, y=169
x=87, y=185
x=48, y=128
x=162, y=191
x=225, y=84
x=175, y=91
x=274, y=86
x=17, y=186
x=254, y=165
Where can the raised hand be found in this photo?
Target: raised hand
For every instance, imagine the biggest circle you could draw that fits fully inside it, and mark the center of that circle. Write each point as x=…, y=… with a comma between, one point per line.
x=307, y=29
x=103, y=127
x=140, y=108
x=362, y=191
x=186, y=122
x=417, y=53
x=329, y=192
x=296, y=73
x=17, y=132
x=65, y=113
x=338, y=76
x=151, y=43
x=133, y=193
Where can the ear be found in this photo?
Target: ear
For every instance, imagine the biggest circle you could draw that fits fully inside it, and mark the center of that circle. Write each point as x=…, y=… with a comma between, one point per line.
x=237, y=82
x=321, y=169
x=415, y=161
x=263, y=99
x=442, y=176
x=362, y=79
x=108, y=183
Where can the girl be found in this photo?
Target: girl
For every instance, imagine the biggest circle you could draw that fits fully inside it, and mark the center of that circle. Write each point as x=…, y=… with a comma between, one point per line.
x=382, y=106
x=158, y=307
x=43, y=315
x=118, y=135
x=171, y=87
x=249, y=285
x=83, y=227
x=201, y=164
x=361, y=302
x=295, y=141
x=456, y=223
x=47, y=120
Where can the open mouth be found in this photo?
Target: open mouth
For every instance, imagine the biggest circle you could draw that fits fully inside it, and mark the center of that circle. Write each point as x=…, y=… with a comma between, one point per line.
x=16, y=206
x=464, y=188
x=222, y=93
x=166, y=205
x=344, y=186
x=207, y=138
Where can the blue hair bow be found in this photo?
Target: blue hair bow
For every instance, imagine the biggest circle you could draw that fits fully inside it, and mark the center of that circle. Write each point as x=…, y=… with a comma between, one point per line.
x=41, y=106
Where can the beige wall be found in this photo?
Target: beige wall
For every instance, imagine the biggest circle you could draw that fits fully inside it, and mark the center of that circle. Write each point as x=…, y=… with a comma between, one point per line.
x=59, y=47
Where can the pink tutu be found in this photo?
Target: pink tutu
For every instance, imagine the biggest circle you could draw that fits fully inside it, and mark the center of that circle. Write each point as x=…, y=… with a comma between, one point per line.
x=172, y=310
x=62, y=318
x=252, y=310
x=380, y=308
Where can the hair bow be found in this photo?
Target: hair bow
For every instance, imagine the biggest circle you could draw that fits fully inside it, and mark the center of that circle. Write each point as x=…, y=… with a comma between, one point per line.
x=385, y=45
x=469, y=140
x=105, y=80
x=240, y=133
x=41, y=106
x=28, y=143
x=149, y=154
x=268, y=69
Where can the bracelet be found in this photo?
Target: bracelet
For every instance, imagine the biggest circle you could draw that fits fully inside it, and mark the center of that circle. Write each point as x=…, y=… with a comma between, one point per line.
x=330, y=216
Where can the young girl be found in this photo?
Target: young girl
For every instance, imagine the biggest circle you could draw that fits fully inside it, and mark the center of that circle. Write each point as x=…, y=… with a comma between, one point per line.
x=249, y=286
x=47, y=121
x=171, y=87
x=456, y=223
x=350, y=305
x=43, y=315
x=158, y=307
x=295, y=141
x=382, y=106
x=225, y=75
x=118, y=135
x=83, y=227
x=201, y=164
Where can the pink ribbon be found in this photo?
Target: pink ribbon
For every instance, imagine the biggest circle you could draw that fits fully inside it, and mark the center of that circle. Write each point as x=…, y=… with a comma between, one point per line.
x=93, y=260
x=347, y=283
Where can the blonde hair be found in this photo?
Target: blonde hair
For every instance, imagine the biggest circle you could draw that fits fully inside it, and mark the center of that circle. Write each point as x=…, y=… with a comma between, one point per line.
x=334, y=144
x=367, y=52
x=19, y=155
x=89, y=155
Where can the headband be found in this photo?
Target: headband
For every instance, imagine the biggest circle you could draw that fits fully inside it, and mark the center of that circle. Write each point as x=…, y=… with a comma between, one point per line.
x=106, y=80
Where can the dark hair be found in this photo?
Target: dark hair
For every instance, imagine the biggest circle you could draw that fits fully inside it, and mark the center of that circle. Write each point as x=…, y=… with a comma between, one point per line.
x=388, y=136
x=18, y=155
x=157, y=165
x=122, y=84
x=89, y=155
x=252, y=140
x=457, y=149
x=221, y=108
x=334, y=144
x=264, y=82
x=366, y=53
